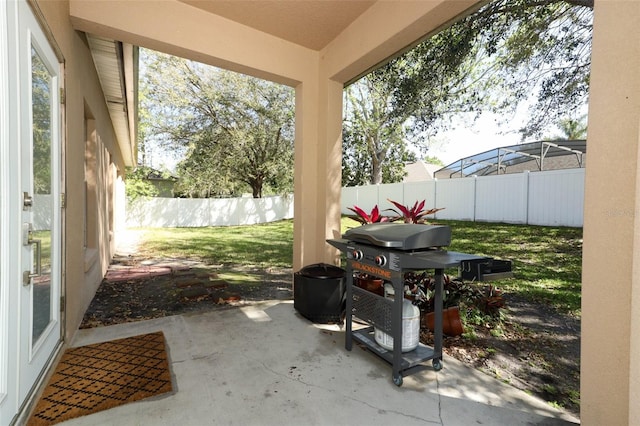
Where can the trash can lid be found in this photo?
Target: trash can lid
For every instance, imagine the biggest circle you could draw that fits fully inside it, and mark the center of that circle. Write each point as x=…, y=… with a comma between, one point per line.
x=322, y=270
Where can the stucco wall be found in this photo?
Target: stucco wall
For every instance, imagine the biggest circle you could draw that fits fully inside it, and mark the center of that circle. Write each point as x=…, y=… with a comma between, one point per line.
x=83, y=94
x=610, y=354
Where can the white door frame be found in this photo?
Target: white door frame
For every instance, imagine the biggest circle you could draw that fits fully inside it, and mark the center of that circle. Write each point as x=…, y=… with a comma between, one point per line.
x=23, y=363
x=9, y=217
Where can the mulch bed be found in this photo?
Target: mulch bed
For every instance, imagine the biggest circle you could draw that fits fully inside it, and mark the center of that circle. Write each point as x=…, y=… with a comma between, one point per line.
x=136, y=290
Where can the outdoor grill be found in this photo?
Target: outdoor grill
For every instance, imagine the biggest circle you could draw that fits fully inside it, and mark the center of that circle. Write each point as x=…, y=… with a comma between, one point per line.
x=387, y=251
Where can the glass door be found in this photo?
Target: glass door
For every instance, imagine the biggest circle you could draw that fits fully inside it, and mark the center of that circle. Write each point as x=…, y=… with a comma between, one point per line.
x=30, y=207
x=40, y=163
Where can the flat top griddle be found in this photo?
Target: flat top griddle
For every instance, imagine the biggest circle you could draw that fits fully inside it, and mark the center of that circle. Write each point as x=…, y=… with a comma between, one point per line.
x=401, y=236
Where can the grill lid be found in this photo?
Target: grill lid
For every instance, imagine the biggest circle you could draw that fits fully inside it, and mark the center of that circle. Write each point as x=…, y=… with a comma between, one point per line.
x=401, y=236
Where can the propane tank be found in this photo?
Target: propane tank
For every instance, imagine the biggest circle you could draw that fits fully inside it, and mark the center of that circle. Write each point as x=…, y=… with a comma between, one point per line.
x=410, y=327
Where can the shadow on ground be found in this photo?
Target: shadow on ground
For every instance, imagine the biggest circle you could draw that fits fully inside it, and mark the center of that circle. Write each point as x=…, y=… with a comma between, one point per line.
x=135, y=290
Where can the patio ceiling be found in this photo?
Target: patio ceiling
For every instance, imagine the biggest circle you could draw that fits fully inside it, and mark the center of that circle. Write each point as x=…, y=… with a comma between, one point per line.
x=311, y=23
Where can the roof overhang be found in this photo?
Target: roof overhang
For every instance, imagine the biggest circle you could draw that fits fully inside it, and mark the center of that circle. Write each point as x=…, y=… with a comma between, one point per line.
x=117, y=67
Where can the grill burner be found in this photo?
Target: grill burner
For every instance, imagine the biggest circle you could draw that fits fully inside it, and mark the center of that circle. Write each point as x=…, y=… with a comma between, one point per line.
x=401, y=236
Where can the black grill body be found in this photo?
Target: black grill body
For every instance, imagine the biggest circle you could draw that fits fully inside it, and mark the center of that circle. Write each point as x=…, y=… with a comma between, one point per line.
x=388, y=251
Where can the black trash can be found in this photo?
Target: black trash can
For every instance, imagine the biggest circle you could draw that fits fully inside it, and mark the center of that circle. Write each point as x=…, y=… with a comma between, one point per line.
x=319, y=293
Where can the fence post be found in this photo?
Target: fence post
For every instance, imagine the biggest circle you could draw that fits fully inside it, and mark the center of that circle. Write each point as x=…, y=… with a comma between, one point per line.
x=435, y=197
x=475, y=195
x=527, y=192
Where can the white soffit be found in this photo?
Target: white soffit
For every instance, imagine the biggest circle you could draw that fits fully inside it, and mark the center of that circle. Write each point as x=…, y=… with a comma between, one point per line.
x=107, y=57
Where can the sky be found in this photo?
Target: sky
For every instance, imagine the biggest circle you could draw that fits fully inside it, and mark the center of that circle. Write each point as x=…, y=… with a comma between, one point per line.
x=159, y=159
x=473, y=138
x=467, y=138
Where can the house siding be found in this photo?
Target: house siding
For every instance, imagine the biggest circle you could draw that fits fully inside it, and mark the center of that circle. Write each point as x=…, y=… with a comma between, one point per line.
x=84, y=99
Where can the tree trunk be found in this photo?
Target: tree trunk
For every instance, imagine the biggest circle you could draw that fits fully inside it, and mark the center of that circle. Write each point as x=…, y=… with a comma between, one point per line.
x=256, y=187
x=376, y=167
x=376, y=173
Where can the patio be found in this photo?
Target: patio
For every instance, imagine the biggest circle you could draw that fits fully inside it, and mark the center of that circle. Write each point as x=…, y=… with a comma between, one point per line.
x=98, y=147
x=265, y=364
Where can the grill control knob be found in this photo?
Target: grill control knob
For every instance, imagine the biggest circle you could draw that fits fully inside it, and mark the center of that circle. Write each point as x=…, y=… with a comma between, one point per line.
x=380, y=260
x=357, y=255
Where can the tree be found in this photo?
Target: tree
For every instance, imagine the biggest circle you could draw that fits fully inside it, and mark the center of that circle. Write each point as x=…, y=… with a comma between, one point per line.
x=137, y=185
x=492, y=60
x=41, y=116
x=572, y=129
x=429, y=159
x=235, y=131
x=498, y=57
x=373, y=146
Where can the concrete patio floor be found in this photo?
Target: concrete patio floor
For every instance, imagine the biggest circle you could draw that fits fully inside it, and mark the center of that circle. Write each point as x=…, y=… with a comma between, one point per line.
x=265, y=364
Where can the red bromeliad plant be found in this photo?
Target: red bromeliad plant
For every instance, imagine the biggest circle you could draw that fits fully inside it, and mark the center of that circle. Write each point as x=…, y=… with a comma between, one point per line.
x=415, y=214
x=365, y=218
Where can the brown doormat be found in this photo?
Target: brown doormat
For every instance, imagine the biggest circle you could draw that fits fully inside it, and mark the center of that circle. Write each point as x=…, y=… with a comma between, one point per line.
x=96, y=377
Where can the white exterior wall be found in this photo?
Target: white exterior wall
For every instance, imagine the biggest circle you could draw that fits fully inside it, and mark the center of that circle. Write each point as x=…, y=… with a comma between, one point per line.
x=390, y=191
x=418, y=191
x=119, y=206
x=41, y=212
x=551, y=198
x=349, y=198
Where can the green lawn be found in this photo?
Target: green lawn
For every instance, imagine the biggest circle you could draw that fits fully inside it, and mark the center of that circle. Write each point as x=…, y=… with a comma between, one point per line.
x=546, y=260
x=262, y=245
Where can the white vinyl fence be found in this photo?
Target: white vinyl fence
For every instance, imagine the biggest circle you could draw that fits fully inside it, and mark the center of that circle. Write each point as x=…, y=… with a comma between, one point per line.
x=198, y=212
x=552, y=198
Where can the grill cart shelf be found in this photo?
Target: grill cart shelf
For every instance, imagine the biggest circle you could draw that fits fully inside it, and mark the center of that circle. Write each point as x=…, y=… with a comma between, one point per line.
x=388, y=251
